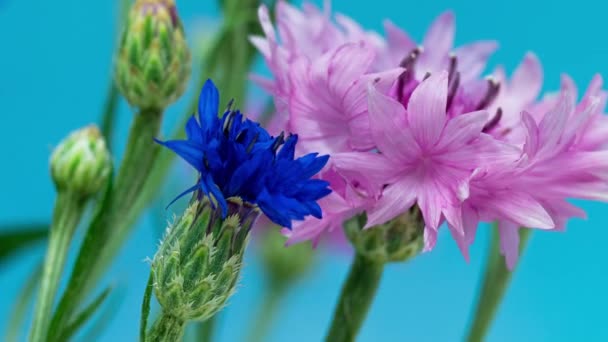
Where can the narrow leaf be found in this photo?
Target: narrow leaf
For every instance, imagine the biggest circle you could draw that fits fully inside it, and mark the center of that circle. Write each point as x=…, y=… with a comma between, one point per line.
x=145, y=309
x=108, y=312
x=22, y=304
x=16, y=237
x=84, y=315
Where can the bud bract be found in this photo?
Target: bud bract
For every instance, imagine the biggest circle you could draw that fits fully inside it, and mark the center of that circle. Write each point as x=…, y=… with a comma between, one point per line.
x=153, y=62
x=198, y=263
x=81, y=163
x=397, y=240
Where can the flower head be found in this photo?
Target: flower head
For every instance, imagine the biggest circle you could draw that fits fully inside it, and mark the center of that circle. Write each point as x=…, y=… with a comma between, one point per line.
x=236, y=157
x=153, y=61
x=81, y=163
x=414, y=127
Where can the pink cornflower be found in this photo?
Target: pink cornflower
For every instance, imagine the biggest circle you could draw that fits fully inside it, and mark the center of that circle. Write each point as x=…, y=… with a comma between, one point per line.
x=414, y=125
x=425, y=157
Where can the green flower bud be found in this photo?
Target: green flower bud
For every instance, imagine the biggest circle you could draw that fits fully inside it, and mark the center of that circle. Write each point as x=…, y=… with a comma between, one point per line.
x=397, y=240
x=81, y=163
x=153, y=62
x=198, y=263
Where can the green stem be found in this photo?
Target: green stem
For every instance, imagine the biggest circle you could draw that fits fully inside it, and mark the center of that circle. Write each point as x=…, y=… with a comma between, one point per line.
x=355, y=300
x=267, y=311
x=494, y=286
x=166, y=329
x=110, y=226
x=205, y=331
x=108, y=118
x=68, y=210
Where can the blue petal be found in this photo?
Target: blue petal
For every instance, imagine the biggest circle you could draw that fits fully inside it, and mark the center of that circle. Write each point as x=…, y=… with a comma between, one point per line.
x=189, y=190
x=191, y=152
x=288, y=150
x=208, y=105
x=193, y=130
x=315, y=165
x=217, y=195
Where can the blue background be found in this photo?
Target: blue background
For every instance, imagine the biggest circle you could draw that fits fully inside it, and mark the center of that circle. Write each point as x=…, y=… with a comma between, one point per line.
x=55, y=62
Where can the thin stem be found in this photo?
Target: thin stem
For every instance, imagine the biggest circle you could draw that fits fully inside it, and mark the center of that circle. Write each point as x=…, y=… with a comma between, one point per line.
x=355, y=300
x=205, y=331
x=267, y=311
x=110, y=226
x=494, y=286
x=67, y=213
x=166, y=329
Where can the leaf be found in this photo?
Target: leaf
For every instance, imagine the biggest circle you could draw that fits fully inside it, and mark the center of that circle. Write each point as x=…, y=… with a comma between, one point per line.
x=19, y=236
x=106, y=316
x=20, y=309
x=145, y=308
x=84, y=315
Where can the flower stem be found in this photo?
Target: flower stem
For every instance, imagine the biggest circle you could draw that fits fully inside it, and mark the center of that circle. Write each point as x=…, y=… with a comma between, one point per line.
x=494, y=286
x=166, y=329
x=355, y=300
x=205, y=331
x=267, y=312
x=68, y=210
x=110, y=226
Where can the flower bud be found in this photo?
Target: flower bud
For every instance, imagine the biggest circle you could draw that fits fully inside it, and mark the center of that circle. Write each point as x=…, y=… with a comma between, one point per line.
x=397, y=240
x=153, y=62
x=198, y=263
x=81, y=163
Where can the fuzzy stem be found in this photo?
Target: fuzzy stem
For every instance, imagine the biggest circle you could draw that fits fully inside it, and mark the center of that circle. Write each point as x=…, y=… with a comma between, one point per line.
x=494, y=286
x=166, y=329
x=355, y=300
x=68, y=211
x=110, y=227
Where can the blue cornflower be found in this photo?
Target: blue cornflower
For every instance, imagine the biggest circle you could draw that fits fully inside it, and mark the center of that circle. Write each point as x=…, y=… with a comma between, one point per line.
x=236, y=157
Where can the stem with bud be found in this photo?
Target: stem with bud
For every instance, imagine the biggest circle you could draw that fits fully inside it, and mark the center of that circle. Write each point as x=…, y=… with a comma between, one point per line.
x=68, y=211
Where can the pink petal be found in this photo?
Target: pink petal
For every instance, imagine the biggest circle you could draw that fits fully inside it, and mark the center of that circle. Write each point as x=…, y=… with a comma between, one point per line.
x=532, y=140
x=348, y=63
x=397, y=37
x=437, y=43
x=372, y=170
x=509, y=242
x=462, y=129
x=527, y=79
x=554, y=122
x=261, y=44
x=388, y=126
x=396, y=199
x=524, y=210
x=431, y=203
x=266, y=23
x=472, y=59
x=426, y=111
x=430, y=239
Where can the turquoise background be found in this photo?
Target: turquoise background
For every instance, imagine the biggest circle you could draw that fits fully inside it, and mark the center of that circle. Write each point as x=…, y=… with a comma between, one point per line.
x=55, y=63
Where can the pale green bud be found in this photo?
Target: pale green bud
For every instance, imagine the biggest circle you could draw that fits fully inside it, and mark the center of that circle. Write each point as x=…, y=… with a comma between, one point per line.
x=81, y=163
x=198, y=263
x=397, y=240
x=153, y=62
